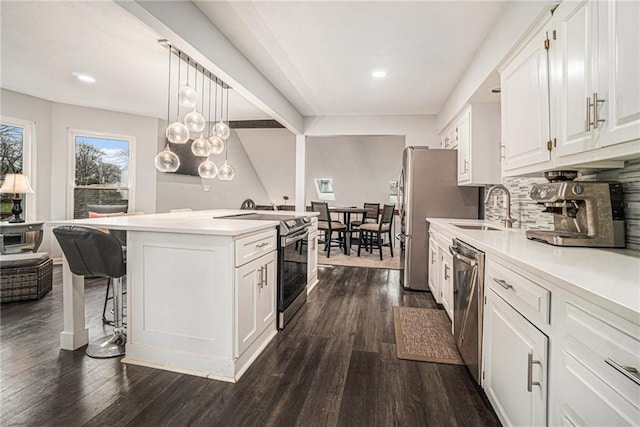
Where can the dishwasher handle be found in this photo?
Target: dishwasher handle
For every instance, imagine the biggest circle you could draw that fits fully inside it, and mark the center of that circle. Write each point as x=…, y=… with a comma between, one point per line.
x=469, y=261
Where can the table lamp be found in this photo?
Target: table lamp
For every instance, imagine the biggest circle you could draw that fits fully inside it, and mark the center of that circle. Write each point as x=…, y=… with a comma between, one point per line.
x=17, y=184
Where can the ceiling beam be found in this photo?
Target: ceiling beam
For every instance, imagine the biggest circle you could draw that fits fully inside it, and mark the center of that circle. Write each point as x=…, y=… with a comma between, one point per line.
x=255, y=124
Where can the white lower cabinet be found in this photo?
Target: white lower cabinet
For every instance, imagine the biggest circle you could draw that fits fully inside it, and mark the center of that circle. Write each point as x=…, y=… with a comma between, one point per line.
x=515, y=365
x=312, y=260
x=597, y=363
x=255, y=294
x=446, y=281
x=434, y=277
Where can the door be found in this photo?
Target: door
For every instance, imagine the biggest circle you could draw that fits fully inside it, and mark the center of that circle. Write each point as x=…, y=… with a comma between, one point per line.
x=515, y=365
x=266, y=299
x=434, y=277
x=446, y=282
x=619, y=68
x=463, y=136
x=574, y=67
x=525, y=106
x=248, y=277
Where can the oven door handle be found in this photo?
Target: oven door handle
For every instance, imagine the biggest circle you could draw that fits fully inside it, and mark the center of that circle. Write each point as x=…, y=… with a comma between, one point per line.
x=287, y=240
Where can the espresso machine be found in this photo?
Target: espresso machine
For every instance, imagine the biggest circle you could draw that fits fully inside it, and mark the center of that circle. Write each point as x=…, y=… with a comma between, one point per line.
x=585, y=213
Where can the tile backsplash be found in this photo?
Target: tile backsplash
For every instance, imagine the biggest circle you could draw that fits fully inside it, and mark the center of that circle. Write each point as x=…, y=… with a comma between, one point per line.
x=529, y=214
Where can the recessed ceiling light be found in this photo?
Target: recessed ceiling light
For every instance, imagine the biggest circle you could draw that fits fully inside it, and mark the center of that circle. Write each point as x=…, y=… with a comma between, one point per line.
x=85, y=78
x=379, y=74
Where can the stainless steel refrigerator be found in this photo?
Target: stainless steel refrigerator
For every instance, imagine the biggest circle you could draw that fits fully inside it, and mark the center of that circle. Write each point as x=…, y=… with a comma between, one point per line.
x=428, y=187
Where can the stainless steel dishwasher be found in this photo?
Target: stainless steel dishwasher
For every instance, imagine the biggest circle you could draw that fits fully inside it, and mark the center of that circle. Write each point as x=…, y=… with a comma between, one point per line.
x=468, y=299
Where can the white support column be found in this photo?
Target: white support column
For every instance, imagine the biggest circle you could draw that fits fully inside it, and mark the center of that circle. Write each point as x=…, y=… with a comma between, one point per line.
x=300, y=172
x=75, y=333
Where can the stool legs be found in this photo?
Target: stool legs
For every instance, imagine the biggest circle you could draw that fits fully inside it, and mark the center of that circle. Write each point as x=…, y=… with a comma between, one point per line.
x=112, y=345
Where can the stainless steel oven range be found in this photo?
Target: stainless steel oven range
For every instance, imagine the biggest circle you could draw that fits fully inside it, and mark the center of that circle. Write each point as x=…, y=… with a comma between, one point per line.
x=292, y=261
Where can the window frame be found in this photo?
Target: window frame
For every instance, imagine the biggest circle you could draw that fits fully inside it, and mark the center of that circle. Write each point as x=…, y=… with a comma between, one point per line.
x=28, y=161
x=327, y=196
x=71, y=162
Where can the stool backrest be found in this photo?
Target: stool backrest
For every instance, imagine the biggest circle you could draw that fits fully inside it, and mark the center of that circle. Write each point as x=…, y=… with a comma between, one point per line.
x=387, y=214
x=91, y=252
x=323, y=208
x=372, y=211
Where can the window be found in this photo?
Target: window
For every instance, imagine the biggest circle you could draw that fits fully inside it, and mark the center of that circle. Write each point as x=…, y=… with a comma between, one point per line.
x=324, y=188
x=15, y=145
x=102, y=172
x=393, y=192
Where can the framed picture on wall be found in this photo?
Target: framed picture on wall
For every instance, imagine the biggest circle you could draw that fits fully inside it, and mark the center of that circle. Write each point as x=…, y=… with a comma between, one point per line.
x=188, y=162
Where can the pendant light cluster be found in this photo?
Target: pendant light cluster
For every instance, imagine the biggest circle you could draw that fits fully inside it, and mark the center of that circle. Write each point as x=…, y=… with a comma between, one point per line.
x=194, y=126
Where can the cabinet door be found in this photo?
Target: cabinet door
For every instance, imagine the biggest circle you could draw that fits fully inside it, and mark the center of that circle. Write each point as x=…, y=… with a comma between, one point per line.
x=446, y=282
x=266, y=305
x=255, y=298
x=515, y=365
x=463, y=136
x=574, y=65
x=525, y=106
x=619, y=70
x=312, y=261
x=434, y=280
x=248, y=278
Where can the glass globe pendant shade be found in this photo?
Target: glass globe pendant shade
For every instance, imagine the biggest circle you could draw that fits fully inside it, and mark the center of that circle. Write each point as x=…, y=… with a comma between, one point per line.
x=187, y=96
x=217, y=144
x=194, y=121
x=208, y=169
x=167, y=161
x=221, y=130
x=177, y=133
x=226, y=172
x=201, y=147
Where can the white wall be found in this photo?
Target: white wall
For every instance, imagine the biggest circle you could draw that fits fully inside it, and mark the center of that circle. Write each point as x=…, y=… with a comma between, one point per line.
x=184, y=191
x=418, y=130
x=510, y=27
x=53, y=120
x=360, y=167
x=273, y=155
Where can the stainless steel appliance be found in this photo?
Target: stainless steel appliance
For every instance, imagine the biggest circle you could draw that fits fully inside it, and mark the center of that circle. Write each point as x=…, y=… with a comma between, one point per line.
x=428, y=187
x=468, y=298
x=292, y=261
x=585, y=213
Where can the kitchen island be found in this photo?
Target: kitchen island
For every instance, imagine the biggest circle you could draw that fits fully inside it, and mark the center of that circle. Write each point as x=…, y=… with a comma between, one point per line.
x=201, y=291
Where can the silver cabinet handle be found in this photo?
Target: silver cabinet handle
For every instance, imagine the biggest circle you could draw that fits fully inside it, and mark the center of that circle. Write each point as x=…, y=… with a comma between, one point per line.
x=588, y=122
x=596, y=104
x=262, y=245
x=446, y=269
x=266, y=266
x=530, y=363
x=261, y=278
x=503, y=283
x=466, y=166
x=628, y=371
x=433, y=257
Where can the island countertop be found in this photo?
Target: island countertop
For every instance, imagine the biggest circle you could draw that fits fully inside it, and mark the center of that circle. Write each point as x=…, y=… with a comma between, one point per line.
x=196, y=222
x=610, y=274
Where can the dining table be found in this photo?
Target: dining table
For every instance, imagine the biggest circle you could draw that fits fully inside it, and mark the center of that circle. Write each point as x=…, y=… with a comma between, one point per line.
x=346, y=211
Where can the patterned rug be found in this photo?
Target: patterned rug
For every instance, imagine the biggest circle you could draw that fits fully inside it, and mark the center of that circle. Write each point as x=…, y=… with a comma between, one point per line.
x=424, y=334
x=365, y=259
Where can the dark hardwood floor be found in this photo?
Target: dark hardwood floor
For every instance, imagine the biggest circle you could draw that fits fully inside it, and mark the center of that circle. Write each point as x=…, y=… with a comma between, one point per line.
x=335, y=364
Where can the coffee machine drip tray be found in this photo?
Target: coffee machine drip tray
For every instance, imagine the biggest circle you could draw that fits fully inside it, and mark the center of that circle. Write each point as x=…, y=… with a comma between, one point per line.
x=563, y=238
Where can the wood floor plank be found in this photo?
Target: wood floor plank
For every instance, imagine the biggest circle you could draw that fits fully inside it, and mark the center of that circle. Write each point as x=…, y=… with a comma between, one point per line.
x=334, y=364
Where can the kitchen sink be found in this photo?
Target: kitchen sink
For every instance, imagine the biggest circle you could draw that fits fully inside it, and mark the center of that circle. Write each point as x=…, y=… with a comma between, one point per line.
x=476, y=227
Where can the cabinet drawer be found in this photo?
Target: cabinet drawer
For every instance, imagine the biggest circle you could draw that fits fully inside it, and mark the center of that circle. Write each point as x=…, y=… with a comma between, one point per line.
x=251, y=247
x=608, y=347
x=529, y=298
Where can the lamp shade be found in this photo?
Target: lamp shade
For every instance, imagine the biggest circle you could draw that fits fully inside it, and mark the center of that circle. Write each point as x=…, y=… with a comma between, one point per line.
x=16, y=183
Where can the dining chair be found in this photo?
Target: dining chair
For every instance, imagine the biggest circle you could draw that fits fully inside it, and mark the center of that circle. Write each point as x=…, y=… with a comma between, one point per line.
x=328, y=227
x=370, y=230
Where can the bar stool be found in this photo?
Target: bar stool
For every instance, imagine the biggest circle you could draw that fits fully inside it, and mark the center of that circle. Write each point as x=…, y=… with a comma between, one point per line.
x=93, y=253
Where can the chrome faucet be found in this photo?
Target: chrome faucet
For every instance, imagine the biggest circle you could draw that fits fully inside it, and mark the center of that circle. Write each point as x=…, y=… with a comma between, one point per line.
x=507, y=221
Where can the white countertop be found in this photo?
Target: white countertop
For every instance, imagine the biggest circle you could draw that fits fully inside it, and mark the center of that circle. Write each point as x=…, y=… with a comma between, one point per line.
x=610, y=274
x=196, y=222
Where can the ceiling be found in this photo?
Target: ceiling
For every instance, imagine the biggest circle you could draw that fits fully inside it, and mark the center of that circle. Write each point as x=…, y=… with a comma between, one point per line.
x=319, y=55
x=42, y=43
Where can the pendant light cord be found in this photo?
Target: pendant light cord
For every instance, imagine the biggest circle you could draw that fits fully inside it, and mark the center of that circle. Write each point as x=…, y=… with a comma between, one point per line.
x=209, y=112
x=215, y=114
x=169, y=91
x=227, y=90
x=178, y=92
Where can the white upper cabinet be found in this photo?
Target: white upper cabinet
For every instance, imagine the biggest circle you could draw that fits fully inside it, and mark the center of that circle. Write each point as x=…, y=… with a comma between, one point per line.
x=571, y=95
x=525, y=106
x=475, y=133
